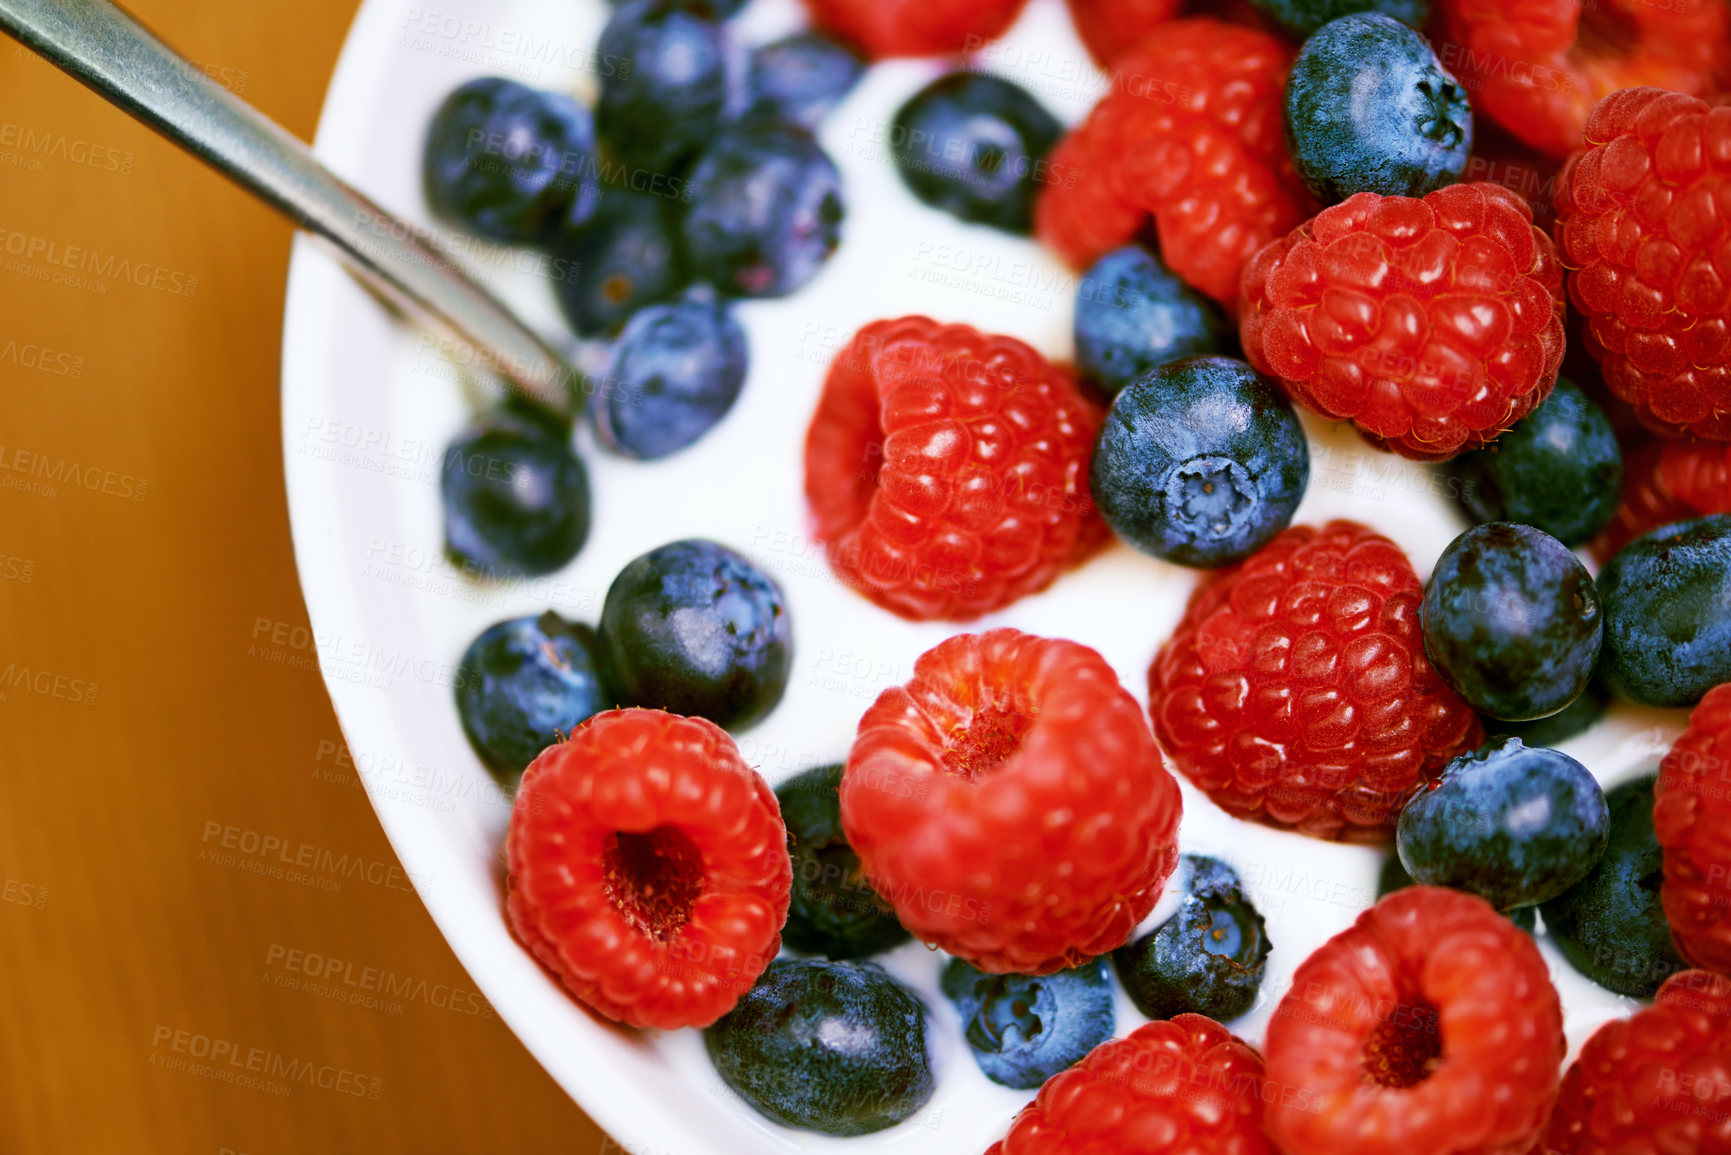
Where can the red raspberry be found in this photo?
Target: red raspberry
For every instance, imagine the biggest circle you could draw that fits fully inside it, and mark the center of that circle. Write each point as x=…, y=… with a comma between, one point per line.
x=1296, y=690
x=915, y=27
x=947, y=469
x=1657, y=1083
x=1190, y=133
x=1429, y=1025
x=649, y=868
x=1667, y=481
x=1112, y=27
x=1183, y=1085
x=1431, y=324
x=1692, y=820
x=1644, y=225
x=1010, y=803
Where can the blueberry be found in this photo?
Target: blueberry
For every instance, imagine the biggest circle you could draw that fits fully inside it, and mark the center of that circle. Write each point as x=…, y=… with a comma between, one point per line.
x=1023, y=1030
x=516, y=496
x=1207, y=959
x=801, y=77
x=1303, y=17
x=1200, y=462
x=1393, y=877
x=1560, y=470
x=1575, y=718
x=1511, y=620
x=626, y=256
x=1667, y=600
x=677, y=369
x=1610, y=925
x=1370, y=109
x=510, y=162
x=766, y=209
x=975, y=147
x=1132, y=314
x=521, y=684
x=836, y=1047
x=670, y=94
x=722, y=8
x=834, y=911
x=695, y=628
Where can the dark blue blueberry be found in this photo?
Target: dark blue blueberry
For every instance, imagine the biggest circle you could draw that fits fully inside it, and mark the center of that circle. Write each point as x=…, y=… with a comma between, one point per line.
x=766, y=209
x=1393, y=877
x=695, y=628
x=1575, y=718
x=516, y=496
x=668, y=96
x=833, y=911
x=677, y=369
x=1200, y=462
x=1023, y=1030
x=1667, y=600
x=1303, y=17
x=1511, y=620
x=1133, y=314
x=1560, y=470
x=510, y=162
x=975, y=146
x=624, y=257
x=836, y=1047
x=522, y=684
x=1610, y=925
x=722, y=8
x=1370, y=109
x=1207, y=959
x=801, y=77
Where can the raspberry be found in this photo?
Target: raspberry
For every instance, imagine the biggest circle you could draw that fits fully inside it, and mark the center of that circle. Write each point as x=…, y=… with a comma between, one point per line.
x=1668, y=481
x=914, y=27
x=648, y=868
x=1191, y=134
x=1010, y=803
x=1296, y=690
x=1429, y=1025
x=1644, y=224
x=1182, y=1085
x=1112, y=27
x=1656, y=1083
x=947, y=469
x=1691, y=817
x=1432, y=324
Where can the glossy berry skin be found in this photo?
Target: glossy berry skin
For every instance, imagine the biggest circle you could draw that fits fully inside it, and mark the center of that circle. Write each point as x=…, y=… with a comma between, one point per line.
x=522, y=685
x=947, y=469
x=1369, y=108
x=648, y=868
x=1667, y=629
x=1668, y=481
x=626, y=256
x=1428, y=1025
x=696, y=628
x=1302, y=18
x=1110, y=28
x=1200, y=462
x=677, y=369
x=1559, y=469
x=510, y=162
x=1610, y=925
x=974, y=146
x=1637, y=225
x=799, y=78
x=1295, y=690
x=1574, y=719
x=881, y=28
x=1207, y=959
x=765, y=209
x=1393, y=877
x=1691, y=811
x=671, y=98
x=1023, y=1030
x=516, y=496
x=1185, y=1085
x=1132, y=314
x=950, y=776
x=834, y=911
x=1432, y=324
x=1512, y=621
x=834, y=1047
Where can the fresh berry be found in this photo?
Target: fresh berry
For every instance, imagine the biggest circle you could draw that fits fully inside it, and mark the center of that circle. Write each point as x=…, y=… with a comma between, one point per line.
x=914, y=27
x=1668, y=481
x=1132, y=314
x=648, y=868
x=1642, y=228
x=1023, y=1030
x=956, y=784
x=1302, y=18
x=946, y=469
x=799, y=78
x=1393, y=877
x=624, y=257
x=1295, y=690
x=1433, y=324
x=1428, y=1025
x=1180, y=1086
x=1576, y=718
x=766, y=209
x=509, y=162
x=672, y=96
x=1559, y=469
x=677, y=369
x=523, y=685
x=696, y=628
x=1691, y=813
x=516, y=496
x=974, y=146
x=1109, y=28
x=1667, y=598
x=1370, y=109
x=834, y=910
x=1207, y=959
x=1610, y=925
x=835, y=1047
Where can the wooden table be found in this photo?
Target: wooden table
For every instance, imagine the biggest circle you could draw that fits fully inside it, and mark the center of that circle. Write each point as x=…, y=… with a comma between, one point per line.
x=143, y=535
